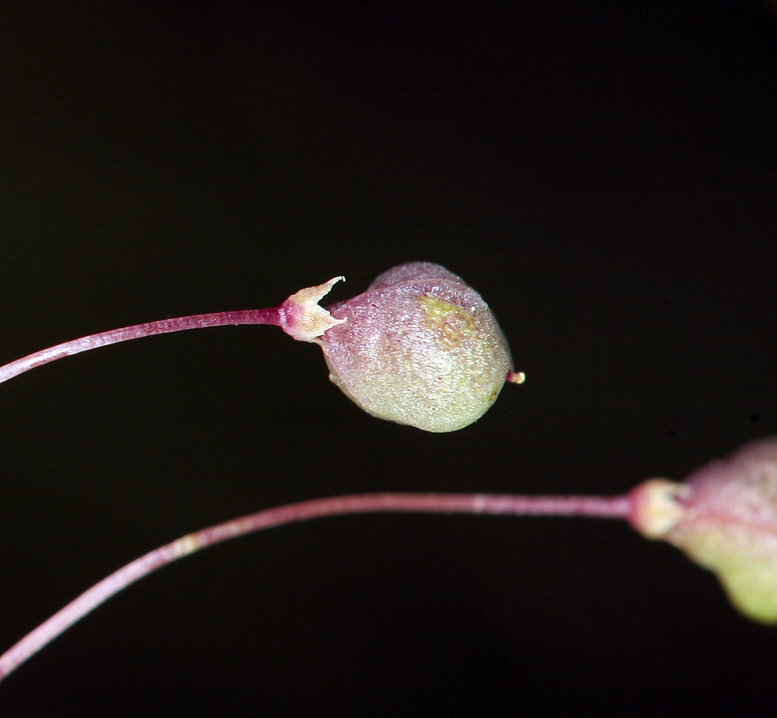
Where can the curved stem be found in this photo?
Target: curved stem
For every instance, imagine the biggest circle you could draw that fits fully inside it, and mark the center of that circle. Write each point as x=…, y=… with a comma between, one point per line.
x=616, y=507
x=299, y=316
x=114, y=336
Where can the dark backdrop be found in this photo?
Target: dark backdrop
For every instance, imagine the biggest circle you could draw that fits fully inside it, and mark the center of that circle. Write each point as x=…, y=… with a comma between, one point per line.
x=604, y=173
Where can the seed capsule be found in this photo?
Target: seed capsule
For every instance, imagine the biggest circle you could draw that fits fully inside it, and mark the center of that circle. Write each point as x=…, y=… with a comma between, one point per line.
x=419, y=347
x=723, y=517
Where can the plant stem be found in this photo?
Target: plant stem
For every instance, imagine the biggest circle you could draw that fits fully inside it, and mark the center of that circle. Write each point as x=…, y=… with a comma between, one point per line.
x=615, y=507
x=164, y=326
x=299, y=316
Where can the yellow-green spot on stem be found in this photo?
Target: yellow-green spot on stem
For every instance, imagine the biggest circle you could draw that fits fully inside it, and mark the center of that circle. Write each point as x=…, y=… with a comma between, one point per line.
x=186, y=545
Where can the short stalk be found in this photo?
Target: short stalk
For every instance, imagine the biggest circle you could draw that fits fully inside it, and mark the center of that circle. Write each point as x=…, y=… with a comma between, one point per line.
x=114, y=336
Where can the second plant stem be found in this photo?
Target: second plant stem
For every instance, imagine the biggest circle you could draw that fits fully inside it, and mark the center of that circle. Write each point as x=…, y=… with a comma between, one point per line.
x=616, y=507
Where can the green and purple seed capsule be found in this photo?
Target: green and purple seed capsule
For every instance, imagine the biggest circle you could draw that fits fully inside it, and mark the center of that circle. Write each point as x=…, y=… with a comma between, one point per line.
x=419, y=347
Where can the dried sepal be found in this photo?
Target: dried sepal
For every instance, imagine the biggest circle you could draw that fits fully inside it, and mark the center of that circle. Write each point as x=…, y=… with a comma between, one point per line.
x=302, y=318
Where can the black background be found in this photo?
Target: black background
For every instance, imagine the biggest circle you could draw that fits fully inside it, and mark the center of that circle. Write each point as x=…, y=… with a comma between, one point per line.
x=604, y=173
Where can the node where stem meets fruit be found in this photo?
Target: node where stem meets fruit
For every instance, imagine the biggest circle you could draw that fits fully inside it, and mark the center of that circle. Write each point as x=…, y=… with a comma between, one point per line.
x=419, y=347
x=301, y=317
x=723, y=517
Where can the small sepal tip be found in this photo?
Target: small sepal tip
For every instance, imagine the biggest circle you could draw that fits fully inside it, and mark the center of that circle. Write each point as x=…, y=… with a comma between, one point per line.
x=301, y=317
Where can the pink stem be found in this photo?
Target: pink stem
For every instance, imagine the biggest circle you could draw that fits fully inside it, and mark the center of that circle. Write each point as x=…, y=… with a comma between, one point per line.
x=164, y=326
x=616, y=507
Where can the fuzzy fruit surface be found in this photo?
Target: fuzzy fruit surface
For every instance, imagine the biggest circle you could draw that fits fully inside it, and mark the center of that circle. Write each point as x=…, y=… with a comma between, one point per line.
x=419, y=347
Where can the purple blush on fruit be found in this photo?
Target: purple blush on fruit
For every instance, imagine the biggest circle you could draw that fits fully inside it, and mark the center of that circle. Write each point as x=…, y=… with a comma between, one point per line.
x=419, y=347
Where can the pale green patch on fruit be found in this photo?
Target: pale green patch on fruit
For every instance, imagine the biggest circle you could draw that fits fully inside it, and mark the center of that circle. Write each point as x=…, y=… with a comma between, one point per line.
x=746, y=568
x=455, y=325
